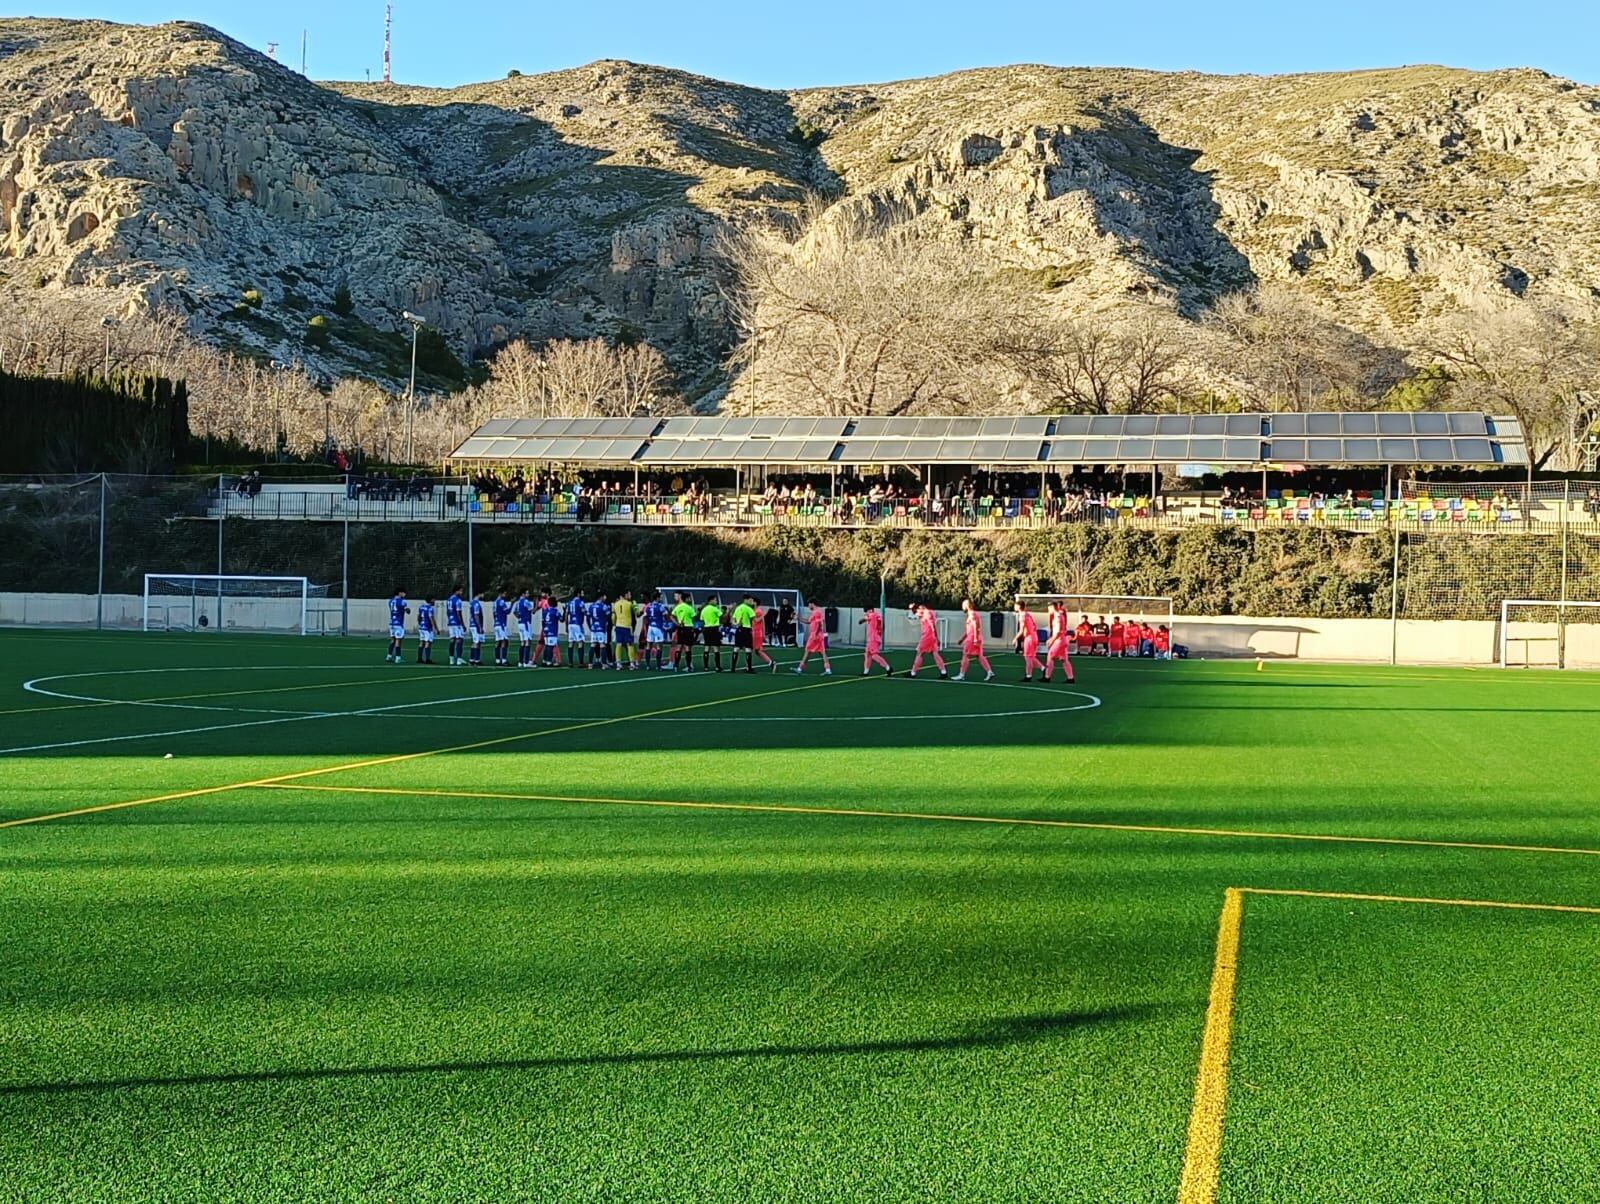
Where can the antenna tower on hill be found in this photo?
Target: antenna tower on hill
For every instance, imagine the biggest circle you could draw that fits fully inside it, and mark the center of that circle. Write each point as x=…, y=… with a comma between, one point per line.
x=388, y=24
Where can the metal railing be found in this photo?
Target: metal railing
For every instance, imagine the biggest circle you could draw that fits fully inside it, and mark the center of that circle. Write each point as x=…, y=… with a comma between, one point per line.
x=1543, y=507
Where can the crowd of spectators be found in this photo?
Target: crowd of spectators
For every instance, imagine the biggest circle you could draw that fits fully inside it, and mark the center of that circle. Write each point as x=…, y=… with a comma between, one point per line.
x=390, y=487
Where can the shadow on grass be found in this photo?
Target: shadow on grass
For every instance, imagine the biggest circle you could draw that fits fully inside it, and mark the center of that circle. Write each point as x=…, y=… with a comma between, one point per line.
x=1018, y=1030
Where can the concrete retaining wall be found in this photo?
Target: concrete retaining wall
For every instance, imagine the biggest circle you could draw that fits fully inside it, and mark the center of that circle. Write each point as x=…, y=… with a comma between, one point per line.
x=1349, y=640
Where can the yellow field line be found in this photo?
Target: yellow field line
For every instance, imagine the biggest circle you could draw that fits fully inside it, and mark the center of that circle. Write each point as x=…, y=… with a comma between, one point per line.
x=400, y=758
x=1198, y=1184
x=1202, y=1153
x=938, y=817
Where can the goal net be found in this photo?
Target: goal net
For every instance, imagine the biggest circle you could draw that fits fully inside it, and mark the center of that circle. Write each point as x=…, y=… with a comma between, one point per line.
x=1107, y=609
x=209, y=602
x=772, y=601
x=1539, y=634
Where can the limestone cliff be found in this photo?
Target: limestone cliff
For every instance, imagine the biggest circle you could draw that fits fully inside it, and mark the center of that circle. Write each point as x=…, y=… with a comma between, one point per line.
x=170, y=165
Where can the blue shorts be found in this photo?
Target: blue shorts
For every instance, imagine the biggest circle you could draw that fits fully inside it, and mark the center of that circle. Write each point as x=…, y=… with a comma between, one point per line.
x=624, y=636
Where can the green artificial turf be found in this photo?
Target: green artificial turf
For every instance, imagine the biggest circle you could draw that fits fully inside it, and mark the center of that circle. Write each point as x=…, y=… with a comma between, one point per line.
x=394, y=986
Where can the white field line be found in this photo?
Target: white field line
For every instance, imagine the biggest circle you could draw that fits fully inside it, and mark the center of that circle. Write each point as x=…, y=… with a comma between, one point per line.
x=186, y=731
x=36, y=686
x=286, y=717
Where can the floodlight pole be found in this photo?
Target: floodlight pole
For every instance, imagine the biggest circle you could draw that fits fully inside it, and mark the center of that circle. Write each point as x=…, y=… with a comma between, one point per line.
x=883, y=602
x=106, y=324
x=222, y=514
x=100, y=587
x=468, y=506
x=1561, y=606
x=411, y=391
x=344, y=619
x=1394, y=601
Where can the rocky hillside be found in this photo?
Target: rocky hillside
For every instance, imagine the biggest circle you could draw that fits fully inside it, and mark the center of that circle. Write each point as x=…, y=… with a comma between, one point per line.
x=172, y=166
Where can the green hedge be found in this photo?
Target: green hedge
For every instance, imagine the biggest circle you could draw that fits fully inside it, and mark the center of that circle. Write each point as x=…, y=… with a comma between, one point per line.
x=1205, y=570
x=92, y=424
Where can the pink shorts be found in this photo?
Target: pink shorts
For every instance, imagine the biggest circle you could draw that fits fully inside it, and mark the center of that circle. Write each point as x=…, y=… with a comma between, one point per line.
x=1030, y=648
x=874, y=647
x=972, y=646
x=928, y=645
x=816, y=645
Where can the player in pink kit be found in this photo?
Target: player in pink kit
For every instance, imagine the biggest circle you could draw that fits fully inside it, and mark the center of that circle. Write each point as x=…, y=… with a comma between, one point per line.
x=1056, y=648
x=758, y=638
x=816, y=641
x=972, y=643
x=1028, y=629
x=927, y=640
x=874, y=654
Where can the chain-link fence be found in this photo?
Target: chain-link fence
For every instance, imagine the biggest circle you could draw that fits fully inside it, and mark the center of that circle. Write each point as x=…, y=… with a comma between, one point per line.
x=74, y=551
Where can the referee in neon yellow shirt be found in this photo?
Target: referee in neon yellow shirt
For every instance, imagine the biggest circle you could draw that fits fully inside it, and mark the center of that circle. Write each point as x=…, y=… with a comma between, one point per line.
x=711, y=633
x=744, y=617
x=683, y=634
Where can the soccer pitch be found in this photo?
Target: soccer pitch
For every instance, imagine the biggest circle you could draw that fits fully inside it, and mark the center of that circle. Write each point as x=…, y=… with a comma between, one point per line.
x=1179, y=931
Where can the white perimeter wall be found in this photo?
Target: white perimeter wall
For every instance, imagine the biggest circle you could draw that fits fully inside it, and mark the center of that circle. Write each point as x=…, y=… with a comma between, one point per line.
x=1355, y=640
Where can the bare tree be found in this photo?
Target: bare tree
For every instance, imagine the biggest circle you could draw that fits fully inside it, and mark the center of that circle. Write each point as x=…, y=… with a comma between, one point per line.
x=356, y=408
x=642, y=380
x=1532, y=362
x=1286, y=355
x=1106, y=364
x=579, y=377
x=516, y=381
x=862, y=315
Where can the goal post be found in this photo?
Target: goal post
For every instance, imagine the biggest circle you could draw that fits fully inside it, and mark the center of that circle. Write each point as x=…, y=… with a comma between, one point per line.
x=1147, y=609
x=216, y=602
x=1539, y=633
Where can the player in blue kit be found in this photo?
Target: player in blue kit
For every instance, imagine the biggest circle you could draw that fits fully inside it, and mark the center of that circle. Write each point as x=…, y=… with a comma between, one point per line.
x=550, y=631
x=502, y=624
x=455, y=620
x=657, y=623
x=577, y=613
x=599, y=633
x=475, y=623
x=524, y=612
x=425, y=632
x=398, y=610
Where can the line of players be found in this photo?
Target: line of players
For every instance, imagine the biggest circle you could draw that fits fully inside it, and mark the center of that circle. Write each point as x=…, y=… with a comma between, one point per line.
x=601, y=634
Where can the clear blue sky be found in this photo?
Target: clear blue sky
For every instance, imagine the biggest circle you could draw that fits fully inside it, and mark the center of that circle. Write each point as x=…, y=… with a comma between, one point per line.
x=855, y=41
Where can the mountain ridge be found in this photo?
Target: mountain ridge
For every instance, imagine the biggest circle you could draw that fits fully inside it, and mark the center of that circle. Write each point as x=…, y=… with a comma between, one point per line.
x=145, y=166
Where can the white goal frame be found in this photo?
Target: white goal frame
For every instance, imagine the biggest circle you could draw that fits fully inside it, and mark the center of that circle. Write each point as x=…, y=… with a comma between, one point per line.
x=1559, y=637
x=208, y=592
